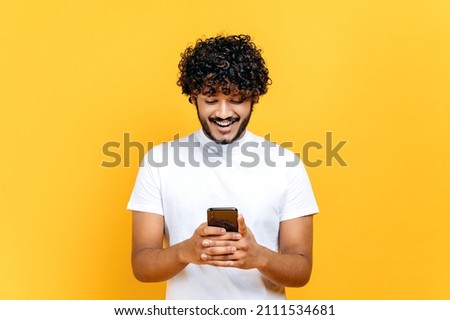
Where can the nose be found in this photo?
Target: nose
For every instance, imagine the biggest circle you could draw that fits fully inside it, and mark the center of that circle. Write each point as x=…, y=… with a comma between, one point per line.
x=224, y=109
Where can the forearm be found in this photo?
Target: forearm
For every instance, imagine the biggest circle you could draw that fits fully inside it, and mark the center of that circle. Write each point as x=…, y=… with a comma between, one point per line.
x=285, y=269
x=158, y=264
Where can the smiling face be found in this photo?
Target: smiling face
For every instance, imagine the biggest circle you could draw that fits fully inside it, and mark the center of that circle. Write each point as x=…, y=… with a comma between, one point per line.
x=224, y=118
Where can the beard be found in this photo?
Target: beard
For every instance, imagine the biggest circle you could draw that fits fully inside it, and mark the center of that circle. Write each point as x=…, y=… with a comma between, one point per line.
x=243, y=125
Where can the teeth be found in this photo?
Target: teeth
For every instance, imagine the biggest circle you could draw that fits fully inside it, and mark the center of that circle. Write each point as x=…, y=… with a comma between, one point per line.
x=224, y=123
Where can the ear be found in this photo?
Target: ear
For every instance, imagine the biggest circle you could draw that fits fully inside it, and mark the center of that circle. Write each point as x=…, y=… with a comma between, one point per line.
x=192, y=100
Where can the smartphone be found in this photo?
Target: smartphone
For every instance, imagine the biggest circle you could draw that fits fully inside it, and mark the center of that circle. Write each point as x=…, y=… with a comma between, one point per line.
x=225, y=217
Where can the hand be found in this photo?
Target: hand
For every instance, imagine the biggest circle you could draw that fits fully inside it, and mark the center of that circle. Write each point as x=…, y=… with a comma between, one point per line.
x=240, y=250
x=208, y=241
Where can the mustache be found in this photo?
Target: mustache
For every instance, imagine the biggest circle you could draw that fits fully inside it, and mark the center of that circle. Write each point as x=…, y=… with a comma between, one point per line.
x=226, y=119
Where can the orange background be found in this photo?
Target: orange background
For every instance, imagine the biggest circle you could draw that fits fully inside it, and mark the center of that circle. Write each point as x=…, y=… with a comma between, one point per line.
x=75, y=75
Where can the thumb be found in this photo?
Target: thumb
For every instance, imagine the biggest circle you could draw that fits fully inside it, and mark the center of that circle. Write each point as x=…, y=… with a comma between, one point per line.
x=241, y=225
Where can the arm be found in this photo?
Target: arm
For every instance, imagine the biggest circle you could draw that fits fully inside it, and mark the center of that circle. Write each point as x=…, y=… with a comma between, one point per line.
x=290, y=267
x=293, y=265
x=151, y=262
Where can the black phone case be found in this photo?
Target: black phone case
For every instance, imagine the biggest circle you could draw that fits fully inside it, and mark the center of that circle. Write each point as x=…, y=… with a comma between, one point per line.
x=225, y=217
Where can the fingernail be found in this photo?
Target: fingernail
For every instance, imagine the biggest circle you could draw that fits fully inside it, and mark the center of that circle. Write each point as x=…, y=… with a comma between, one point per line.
x=206, y=243
x=238, y=235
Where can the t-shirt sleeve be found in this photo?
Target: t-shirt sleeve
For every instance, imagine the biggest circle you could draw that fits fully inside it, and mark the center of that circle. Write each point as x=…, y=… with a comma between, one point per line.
x=146, y=194
x=299, y=198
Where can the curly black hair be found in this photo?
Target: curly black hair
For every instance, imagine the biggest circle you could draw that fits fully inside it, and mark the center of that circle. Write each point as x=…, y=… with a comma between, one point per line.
x=224, y=64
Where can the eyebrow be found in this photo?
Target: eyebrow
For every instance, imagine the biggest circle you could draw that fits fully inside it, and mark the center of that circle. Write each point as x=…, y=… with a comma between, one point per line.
x=232, y=96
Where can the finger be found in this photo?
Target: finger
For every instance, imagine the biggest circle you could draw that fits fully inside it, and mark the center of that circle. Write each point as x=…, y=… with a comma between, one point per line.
x=217, y=263
x=221, y=257
x=215, y=258
x=241, y=224
x=206, y=230
x=219, y=252
x=227, y=263
x=232, y=236
x=219, y=242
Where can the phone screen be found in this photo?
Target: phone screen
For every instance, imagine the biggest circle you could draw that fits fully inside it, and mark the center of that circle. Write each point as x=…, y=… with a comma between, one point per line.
x=225, y=217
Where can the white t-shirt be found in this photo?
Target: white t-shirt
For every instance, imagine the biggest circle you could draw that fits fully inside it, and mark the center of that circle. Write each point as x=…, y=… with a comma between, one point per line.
x=183, y=178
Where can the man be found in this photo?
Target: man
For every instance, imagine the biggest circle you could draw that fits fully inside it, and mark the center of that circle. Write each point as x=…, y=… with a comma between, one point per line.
x=222, y=165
